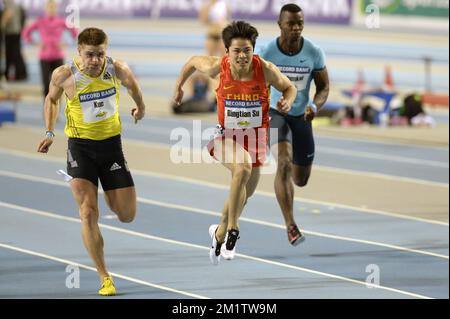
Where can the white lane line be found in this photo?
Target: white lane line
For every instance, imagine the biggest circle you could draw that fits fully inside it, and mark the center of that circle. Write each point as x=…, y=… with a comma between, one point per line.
x=196, y=151
x=217, y=214
x=297, y=199
x=162, y=124
x=185, y=244
x=117, y=275
x=327, y=135
x=160, y=130
x=369, y=155
x=226, y=187
x=381, y=176
x=279, y=226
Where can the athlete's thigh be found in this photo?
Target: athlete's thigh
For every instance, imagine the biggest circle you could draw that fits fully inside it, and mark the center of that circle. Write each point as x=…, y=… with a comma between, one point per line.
x=279, y=130
x=282, y=152
x=122, y=201
x=303, y=146
x=230, y=153
x=81, y=163
x=301, y=174
x=114, y=172
x=85, y=194
x=303, y=150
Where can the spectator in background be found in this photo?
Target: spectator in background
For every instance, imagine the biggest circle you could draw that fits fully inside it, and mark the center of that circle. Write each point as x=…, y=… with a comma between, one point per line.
x=215, y=15
x=50, y=27
x=12, y=22
x=215, y=11
x=2, y=57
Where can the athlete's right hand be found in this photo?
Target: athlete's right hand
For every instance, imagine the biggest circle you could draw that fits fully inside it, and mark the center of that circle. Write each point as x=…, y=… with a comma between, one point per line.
x=178, y=95
x=44, y=146
x=137, y=114
x=283, y=106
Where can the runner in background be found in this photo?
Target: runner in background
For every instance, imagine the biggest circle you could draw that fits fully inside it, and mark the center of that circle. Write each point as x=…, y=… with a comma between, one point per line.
x=302, y=62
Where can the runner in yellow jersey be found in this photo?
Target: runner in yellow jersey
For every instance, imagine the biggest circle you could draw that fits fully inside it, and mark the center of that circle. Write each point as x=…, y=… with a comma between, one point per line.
x=91, y=86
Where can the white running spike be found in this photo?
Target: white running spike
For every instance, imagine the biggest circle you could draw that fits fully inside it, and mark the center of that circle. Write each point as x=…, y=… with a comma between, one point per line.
x=212, y=251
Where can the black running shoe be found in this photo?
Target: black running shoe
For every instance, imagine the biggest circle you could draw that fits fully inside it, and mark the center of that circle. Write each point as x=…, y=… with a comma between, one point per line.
x=218, y=248
x=233, y=236
x=295, y=237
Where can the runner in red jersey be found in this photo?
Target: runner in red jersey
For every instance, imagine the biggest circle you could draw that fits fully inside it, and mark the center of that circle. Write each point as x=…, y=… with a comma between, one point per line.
x=243, y=112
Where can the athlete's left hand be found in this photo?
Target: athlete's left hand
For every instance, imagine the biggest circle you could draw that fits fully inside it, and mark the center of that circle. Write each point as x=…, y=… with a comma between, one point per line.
x=178, y=95
x=137, y=114
x=310, y=113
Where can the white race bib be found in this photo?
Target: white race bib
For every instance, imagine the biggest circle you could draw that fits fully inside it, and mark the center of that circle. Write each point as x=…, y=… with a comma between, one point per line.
x=298, y=75
x=243, y=114
x=98, y=106
x=299, y=81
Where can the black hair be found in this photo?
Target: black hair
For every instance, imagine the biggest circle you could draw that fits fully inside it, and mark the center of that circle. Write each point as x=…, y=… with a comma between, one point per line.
x=290, y=7
x=239, y=29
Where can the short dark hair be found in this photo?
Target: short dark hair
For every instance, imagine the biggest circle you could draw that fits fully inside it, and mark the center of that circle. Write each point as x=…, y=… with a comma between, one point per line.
x=239, y=29
x=290, y=7
x=92, y=36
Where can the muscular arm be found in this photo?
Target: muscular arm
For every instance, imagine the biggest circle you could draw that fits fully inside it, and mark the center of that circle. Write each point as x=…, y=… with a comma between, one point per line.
x=278, y=80
x=208, y=65
x=322, y=87
x=60, y=79
x=56, y=89
x=205, y=64
x=128, y=79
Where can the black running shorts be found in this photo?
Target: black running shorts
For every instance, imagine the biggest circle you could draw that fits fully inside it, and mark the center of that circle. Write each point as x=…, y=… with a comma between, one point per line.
x=94, y=160
x=296, y=131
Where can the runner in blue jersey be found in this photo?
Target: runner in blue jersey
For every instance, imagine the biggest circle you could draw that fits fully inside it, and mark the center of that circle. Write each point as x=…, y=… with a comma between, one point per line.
x=301, y=61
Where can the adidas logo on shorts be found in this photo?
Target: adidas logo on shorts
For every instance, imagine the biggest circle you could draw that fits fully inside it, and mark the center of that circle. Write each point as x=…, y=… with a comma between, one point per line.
x=115, y=167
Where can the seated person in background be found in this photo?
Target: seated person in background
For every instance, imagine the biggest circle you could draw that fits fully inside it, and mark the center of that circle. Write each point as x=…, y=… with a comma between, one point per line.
x=413, y=110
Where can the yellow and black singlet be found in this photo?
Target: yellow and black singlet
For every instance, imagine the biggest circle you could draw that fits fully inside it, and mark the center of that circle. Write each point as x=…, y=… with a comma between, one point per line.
x=94, y=111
